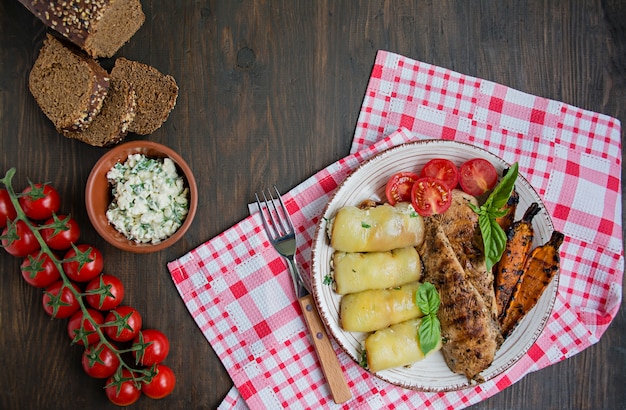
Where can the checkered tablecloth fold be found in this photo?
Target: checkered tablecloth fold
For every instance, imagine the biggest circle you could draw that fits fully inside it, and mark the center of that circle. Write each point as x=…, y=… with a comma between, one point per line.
x=239, y=292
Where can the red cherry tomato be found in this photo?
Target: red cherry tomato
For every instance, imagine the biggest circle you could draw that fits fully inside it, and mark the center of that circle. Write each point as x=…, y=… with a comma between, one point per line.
x=430, y=196
x=68, y=303
x=157, y=349
x=126, y=323
x=7, y=210
x=443, y=170
x=61, y=239
x=24, y=244
x=39, y=270
x=122, y=392
x=88, y=270
x=80, y=328
x=99, y=361
x=161, y=384
x=399, y=186
x=477, y=176
x=112, y=292
x=40, y=201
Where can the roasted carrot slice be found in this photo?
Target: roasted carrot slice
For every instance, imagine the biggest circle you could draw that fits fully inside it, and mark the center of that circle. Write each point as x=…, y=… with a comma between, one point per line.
x=542, y=265
x=509, y=269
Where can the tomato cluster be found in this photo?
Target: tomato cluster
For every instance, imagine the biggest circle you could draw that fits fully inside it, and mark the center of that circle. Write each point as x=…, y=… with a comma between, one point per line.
x=429, y=191
x=75, y=287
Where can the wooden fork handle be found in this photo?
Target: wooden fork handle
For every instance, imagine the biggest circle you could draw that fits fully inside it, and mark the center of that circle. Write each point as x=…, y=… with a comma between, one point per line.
x=325, y=352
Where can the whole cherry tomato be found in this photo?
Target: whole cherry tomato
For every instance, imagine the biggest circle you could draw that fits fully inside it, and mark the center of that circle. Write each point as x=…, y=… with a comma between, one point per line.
x=99, y=361
x=477, y=176
x=40, y=201
x=64, y=238
x=23, y=243
x=80, y=328
x=157, y=349
x=161, y=384
x=104, y=292
x=86, y=271
x=39, y=270
x=124, y=391
x=126, y=323
x=68, y=304
x=7, y=210
x=442, y=169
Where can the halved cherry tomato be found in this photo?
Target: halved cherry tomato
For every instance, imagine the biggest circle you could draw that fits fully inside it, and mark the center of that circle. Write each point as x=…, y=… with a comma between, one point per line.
x=40, y=201
x=430, y=196
x=477, y=176
x=399, y=186
x=80, y=328
x=161, y=384
x=25, y=243
x=126, y=323
x=39, y=270
x=7, y=210
x=67, y=303
x=62, y=239
x=99, y=361
x=88, y=270
x=122, y=392
x=443, y=170
x=112, y=292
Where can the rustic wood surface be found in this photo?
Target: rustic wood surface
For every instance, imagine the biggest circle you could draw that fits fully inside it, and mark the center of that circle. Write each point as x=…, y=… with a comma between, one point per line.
x=270, y=91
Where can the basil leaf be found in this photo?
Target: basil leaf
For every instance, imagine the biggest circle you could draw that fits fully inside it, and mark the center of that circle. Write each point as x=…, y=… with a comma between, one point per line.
x=502, y=192
x=429, y=333
x=427, y=298
x=494, y=237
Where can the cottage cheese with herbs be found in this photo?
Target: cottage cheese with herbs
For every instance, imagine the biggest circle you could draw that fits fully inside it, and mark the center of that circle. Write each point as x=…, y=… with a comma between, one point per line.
x=149, y=200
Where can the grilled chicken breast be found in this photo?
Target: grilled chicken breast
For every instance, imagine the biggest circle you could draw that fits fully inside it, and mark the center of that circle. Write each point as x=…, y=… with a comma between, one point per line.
x=460, y=225
x=453, y=261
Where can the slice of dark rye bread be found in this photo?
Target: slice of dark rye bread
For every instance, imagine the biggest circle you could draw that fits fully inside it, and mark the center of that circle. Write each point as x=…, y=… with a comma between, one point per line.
x=110, y=126
x=100, y=27
x=156, y=94
x=68, y=85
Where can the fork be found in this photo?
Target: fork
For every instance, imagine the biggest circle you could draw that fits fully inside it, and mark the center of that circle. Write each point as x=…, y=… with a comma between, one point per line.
x=282, y=236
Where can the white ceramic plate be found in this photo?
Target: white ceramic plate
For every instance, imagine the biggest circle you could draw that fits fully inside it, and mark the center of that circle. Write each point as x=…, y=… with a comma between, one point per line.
x=368, y=182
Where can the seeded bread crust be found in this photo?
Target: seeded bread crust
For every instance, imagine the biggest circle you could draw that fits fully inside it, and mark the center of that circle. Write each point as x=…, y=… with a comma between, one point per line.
x=100, y=27
x=68, y=85
x=156, y=94
x=110, y=126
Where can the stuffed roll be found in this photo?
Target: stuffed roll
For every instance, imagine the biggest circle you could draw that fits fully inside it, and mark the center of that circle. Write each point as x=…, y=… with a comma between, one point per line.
x=371, y=310
x=356, y=272
x=376, y=229
x=395, y=346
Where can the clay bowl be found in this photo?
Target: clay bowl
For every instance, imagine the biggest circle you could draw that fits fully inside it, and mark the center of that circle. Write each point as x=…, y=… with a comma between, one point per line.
x=98, y=194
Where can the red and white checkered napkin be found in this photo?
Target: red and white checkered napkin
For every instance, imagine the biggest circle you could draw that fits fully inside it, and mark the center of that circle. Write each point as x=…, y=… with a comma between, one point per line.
x=239, y=290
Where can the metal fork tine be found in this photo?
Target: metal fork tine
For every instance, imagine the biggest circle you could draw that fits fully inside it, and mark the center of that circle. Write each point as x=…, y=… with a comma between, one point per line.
x=268, y=230
x=271, y=214
x=284, y=208
x=278, y=220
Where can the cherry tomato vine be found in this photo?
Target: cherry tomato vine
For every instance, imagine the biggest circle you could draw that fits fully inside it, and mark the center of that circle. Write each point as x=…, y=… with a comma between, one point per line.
x=62, y=278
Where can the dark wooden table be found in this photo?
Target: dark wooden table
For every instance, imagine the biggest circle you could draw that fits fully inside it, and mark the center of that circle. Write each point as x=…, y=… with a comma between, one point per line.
x=283, y=80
